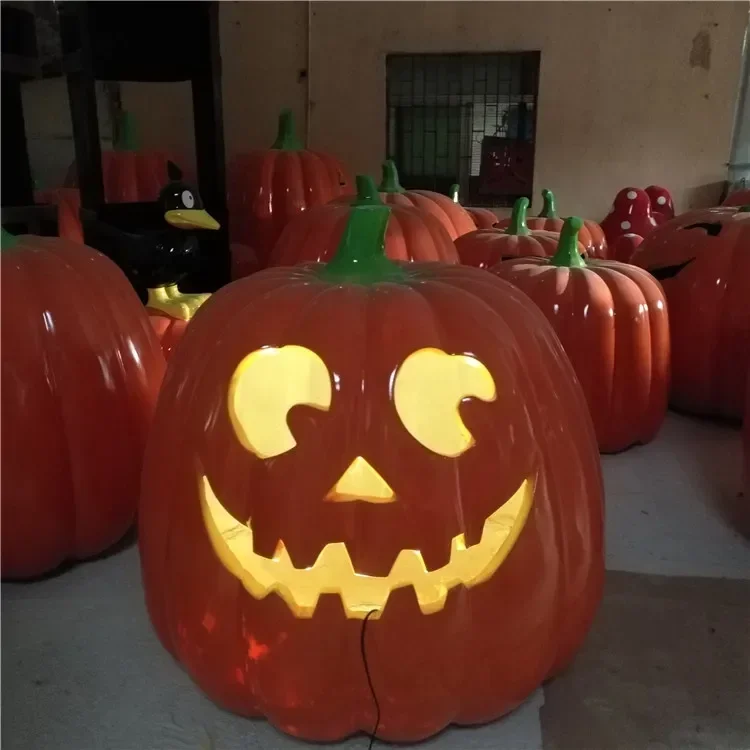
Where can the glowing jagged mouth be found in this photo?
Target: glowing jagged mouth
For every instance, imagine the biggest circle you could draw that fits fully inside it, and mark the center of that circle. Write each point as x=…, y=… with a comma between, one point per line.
x=333, y=572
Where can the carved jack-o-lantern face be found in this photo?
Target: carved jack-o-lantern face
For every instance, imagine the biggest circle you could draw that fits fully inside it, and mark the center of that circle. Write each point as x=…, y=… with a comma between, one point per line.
x=396, y=447
x=427, y=390
x=702, y=259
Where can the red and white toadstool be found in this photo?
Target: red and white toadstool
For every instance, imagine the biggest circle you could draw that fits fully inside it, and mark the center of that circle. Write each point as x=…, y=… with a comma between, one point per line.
x=630, y=214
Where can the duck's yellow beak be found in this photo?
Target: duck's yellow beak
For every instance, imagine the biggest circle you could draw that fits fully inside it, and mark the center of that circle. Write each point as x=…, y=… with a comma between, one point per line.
x=191, y=218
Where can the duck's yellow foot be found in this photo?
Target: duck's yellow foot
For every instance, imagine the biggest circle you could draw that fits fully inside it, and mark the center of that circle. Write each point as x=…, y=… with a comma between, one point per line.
x=171, y=301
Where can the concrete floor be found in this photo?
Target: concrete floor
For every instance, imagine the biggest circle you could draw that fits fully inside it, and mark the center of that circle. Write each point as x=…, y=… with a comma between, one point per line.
x=666, y=666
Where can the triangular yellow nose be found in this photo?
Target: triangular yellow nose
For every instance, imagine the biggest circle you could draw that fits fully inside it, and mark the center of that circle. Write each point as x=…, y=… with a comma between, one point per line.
x=361, y=482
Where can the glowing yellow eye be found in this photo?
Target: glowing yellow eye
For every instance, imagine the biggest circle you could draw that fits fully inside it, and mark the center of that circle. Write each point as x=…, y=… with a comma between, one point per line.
x=265, y=386
x=429, y=386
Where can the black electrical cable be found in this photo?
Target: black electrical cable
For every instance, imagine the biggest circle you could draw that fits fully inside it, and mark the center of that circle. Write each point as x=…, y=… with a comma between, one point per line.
x=369, y=679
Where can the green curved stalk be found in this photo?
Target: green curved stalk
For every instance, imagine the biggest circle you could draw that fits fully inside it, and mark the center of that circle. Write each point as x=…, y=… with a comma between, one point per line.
x=567, y=255
x=549, y=210
x=286, y=135
x=390, y=182
x=7, y=240
x=517, y=225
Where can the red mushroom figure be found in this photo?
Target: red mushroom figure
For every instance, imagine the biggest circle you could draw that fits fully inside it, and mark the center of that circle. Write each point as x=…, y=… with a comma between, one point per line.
x=630, y=214
x=662, y=205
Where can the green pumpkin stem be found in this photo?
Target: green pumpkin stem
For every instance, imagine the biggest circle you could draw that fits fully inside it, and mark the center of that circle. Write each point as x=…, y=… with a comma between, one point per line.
x=549, y=211
x=453, y=193
x=286, y=136
x=126, y=138
x=390, y=182
x=7, y=240
x=567, y=255
x=517, y=224
x=360, y=257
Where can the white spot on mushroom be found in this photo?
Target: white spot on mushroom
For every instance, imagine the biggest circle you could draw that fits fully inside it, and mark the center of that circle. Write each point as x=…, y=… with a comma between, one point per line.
x=631, y=195
x=661, y=200
x=624, y=225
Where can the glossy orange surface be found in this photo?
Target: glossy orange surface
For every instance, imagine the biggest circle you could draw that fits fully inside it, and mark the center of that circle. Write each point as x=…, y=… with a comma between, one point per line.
x=591, y=235
x=81, y=368
x=453, y=216
x=483, y=218
x=244, y=261
x=703, y=262
x=484, y=248
x=612, y=321
x=412, y=235
x=168, y=330
x=267, y=188
x=489, y=646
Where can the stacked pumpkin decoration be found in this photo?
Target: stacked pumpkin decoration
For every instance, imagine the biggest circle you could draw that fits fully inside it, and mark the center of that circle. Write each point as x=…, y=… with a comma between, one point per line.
x=611, y=319
x=81, y=368
x=452, y=215
x=267, y=188
x=483, y=218
x=379, y=459
x=130, y=174
x=412, y=235
x=484, y=248
x=630, y=214
x=702, y=259
x=591, y=235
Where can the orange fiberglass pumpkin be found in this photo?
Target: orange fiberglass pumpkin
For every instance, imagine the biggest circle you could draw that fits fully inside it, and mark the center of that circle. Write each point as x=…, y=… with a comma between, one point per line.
x=379, y=460
x=738, y=198
x=81, y=369
x=130, y=173
x=452, y=215
x=746, y=443
x=485, y=248
x=611, y=319
x=483, y=218
x=704, y=267
x=412, y=235
x=591, y=235
x=267, y=188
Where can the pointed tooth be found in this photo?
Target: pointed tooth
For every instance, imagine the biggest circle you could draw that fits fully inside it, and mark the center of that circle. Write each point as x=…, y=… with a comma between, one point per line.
x=473, y=528
x=435, y=551
x=408, y=567
x=265, y=540
x=431, y=597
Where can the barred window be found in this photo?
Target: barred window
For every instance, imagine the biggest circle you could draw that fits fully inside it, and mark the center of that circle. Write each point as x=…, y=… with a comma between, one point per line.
x=466, y=119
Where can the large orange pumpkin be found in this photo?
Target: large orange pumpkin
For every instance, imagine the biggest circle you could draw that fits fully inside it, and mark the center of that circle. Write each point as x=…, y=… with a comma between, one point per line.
x=591, y=235
x=267, y=188
x=80, y=372
x=484, y=248
x=130, y=174
x=703, y=263
x=611, y=319
x=452, y=215
x=737, y=198
x=315, y=234
x=356, y=425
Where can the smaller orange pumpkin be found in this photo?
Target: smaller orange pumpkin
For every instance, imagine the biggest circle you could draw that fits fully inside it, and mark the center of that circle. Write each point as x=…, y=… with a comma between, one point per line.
x=484, y=248
x=483, y=218
x=452, y=216
x=591, y=235
x=737, y=198
x=412, y=235
x=611, y=319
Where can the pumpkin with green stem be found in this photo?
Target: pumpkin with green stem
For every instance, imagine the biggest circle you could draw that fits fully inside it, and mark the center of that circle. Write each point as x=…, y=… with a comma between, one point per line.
x=611, y=319
x=371, y=454
x=81, y=370
x=484, y=248
x=412, y=235
x=130, y=174
x=483, y=218
x=452, y=216
x=591, y=235
x=267, y=188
